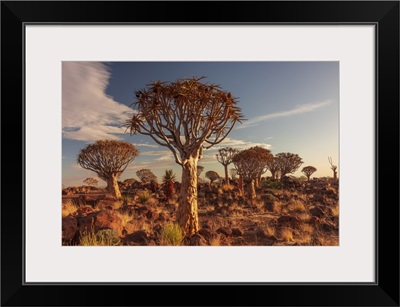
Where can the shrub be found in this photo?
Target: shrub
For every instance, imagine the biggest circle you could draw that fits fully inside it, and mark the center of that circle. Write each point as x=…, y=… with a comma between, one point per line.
x=69, y=207
x=105, y=237
x=171, y=234
x=144, y=196
x=272, y=184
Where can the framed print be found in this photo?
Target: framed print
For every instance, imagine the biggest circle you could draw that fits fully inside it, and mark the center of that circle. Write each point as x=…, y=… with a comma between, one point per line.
x=246, y=149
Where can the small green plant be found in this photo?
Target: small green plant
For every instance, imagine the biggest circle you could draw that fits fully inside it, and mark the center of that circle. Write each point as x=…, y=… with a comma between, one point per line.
x=171, y=234
x=105, y=237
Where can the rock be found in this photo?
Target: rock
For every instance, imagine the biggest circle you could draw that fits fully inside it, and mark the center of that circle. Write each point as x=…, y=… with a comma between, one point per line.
x=86, y=223
x=225, y=231
x=206, y=233
x=83, y=211
x=236, y=232
x=317, y=211
x=109, y=219
x=288, y=220
x=137, y=238
x=69, y=228
x=108, y=203
x=197, y=240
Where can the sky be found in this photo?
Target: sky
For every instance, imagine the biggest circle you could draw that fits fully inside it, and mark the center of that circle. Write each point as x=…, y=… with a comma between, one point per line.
x=287, y=106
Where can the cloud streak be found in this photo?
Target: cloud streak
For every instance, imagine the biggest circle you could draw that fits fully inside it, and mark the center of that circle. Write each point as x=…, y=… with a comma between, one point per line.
x=88, y=113
x=305, y=108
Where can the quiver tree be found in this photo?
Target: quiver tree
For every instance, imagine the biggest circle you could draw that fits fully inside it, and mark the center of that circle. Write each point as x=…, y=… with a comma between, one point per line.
x=200, y=169
x=146, y=175
x=91, y=182
x=108, y=159
x=186, y=116
x=212, y=176
x=333, y=168
x=224, y=156
x=250, y=164
x=308, y=171
x=233, y=173
x=273, y=167
x=288, y=163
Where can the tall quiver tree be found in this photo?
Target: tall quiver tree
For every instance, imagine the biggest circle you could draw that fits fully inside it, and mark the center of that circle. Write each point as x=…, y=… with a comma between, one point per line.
x=185, y=116
x=308, y=171
x=288, y=163
x=108, y=159
x=250, y=164
x=224, y=156
x=333, y=168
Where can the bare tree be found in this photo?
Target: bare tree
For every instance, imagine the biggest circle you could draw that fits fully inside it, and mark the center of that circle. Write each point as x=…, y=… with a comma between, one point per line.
x=224, y=156
x=146, y=175
x=308, y=171
x=333, y=168
x=108, y=159
x=250, y=164
x=212, y=175
x=91, y=181
x=288, y=163
x=273, y=167
x=187, y=116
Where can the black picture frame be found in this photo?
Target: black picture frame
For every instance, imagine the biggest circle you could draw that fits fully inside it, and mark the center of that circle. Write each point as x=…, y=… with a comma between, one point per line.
x=383, y=14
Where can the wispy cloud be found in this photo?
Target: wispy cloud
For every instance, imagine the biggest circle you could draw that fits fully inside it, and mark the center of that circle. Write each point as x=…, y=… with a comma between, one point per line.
x=305, y=108
x=88, y=114
x=145, y=145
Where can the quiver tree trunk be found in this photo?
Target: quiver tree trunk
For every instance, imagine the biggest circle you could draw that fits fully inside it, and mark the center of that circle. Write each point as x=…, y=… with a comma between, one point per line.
x=334, y=175
x=112, y=186
x=240, y=185
x=226, y=174
x=187, y=215
x=250, y=190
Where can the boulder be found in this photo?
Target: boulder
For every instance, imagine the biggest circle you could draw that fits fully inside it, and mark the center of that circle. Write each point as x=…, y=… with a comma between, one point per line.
x=317, y=211
x=137, y=238
x=109, y=219
x=225, y=231
x=69, y=228
x=197, y=240
x=236, y=232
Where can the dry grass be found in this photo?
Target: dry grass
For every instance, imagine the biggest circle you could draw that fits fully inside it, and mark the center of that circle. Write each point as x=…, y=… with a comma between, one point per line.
x=68, y=208
x=126, y=217
x=227, y=187
x=307, y=229
x=102, y=238
x=299, y=207
x=286, y=234
x=270, y=231
x=335, y=211
x=215, y=241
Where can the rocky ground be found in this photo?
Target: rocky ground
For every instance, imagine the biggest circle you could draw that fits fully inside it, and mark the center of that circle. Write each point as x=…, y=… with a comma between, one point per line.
x=293, y=213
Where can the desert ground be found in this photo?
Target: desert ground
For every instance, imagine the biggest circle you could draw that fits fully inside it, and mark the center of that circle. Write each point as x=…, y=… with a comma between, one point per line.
x=290, y=212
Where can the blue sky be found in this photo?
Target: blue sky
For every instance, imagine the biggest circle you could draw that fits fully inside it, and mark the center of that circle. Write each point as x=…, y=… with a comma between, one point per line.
x=288, y=107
